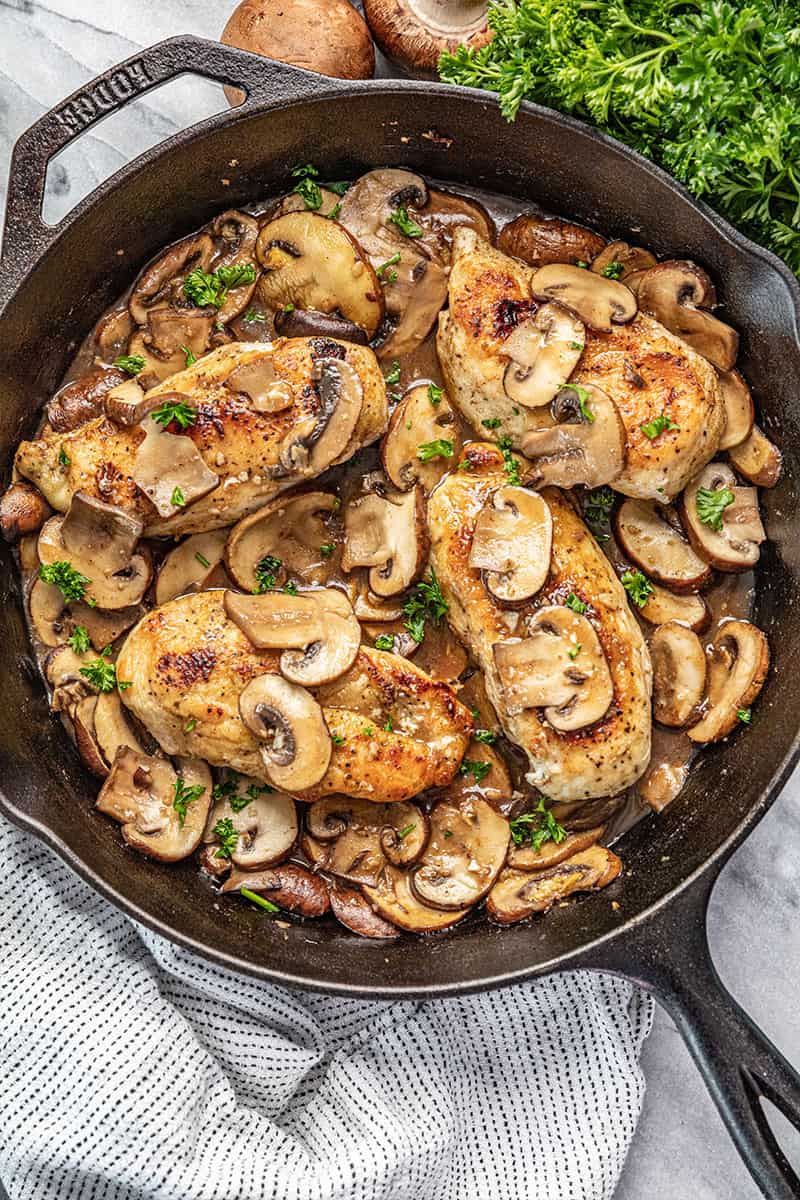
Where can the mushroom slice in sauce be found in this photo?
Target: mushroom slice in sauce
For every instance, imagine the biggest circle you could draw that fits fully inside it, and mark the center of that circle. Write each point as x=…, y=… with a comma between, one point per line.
x=415, y=422
x=312, y=262
x=169, y=469
x=465, y=852
x=619, y=260
x=353, y=839
x=511, y=544
x=495, y=785
x=291, y=530
x=258, y=382
x=266, y=825
x=104, y=626
x=99, y=540
x=735, y=545
x=141, y=792
x=586, y=447
x=237, y=233
x=23, y=510
x=307, y=322
x=678, y=293
x=291, y=886
x=351, y=908
x=689, y=609
x=82, y=716
x=520, y=894
x=550, y=854
x=293, y=202
x=112, y=729
x=189, y=566
x=651, y=537
x=153, y=286
x=757, y=459
x=317, y=631
x=389, y=535
x=47, y=612
x=559, y=666
x=82, y=399
x=319, y=441
x=287, y=719
x=543, y=352
x=739, y=410
x=392, y=898
x=738, y=661
x=541, y=240
x=679, y=674
x=128, y=403
x=599, y=302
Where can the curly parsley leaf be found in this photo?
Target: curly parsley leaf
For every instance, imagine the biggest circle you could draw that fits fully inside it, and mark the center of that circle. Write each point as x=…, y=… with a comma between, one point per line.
x=711, y=504
x=63, y=575
x=441, y=448
x=537, y=827
x=266, y=573
x=638, y=587
x=226, y=835
x=132, y=364
x=478, y=770
x=184, y=796
x=426, y=603
x=404, y=223
x=79, y=639
x=179, y=412
x=660, y=424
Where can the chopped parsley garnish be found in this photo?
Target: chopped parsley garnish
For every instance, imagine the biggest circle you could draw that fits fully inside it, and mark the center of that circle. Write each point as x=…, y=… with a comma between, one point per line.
x=384, y=641
x=190, y=725
x=184, y=796
x=492, y=423
x=206, y=290
x=652, y=429
x=63, y=458
x=253, y=792
x=307, y=187
x=179, y=411
x=711, y=504
x=613, y=270
x=339, y=187
x=69, y=582
x=189, y=355
x=638, y=587
x=510, y=463
x=391, y=277
x=389, y=726
x=132, y=364
x=177, y=499
x=441, y=448
x=288, y=308
x=290, y=588
x=426, y=603
x=583, y=400
x=79, y=639
x=575, y=603
x=582, y=263
x=394, y=373
x=404, y=223
x=337, y=739
x=485, y=735
x=448, y=833
x=478, y=770
x=201, y=558
x=744, y=715
x=266, y=573
x=575, y=651
x=575, y=345
x=227, y=836
x=334, y=213
x=435, y=394
x=252, y=317
x=547, y=828
x=405, y=831
x=327, y=549
x=597, y=506
x=260, y=901
x=368, y=730
x=225, y=790
x=102, y=674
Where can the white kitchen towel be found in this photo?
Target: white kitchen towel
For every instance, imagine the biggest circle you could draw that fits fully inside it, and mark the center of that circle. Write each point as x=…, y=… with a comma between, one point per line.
x=131, y=1070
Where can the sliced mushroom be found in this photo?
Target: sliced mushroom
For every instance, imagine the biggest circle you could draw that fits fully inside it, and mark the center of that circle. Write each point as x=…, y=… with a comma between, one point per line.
x=23, y=510
x=394, y=900
x=99, y=541
x=619, y=260
x=187, y=568
x=495, y=785
x=111, y=333
x=161, y=279
x=581, y=449
x=543, y=352
x=158, y=367
x=586, y=814
x=258, y=381
x=82, y=399
x=739, y=410
x=440, y=654
x=237, y=232
x=170, y=332
x=560, y=666
x=511, y=544
x=354, y=839
x=128, y=403
x=168, y=468
x=312, y=262
x=307, y=322
x=294, y=202
x=287, y=719
x=140, y=792
x=291, y=529
x=351, y=908
x=62, y=669
x=47, y=611
x=541, y=240
x=466, y=850
x=550, y=854
x=82, y=716
x=679, y=674
x=319, y=440
x=757, y=459
x=599, y=302
x=266, y=825
x=104, y=626
x=678, y=293
x=690, y=610
x=651, y=537
x=112, y=728
x=520, y=894
x=389, y=535
x=415, y=422
x=291, y=886
x=317, y=631
x=445, y=212
x=738, y=661
x=371, y=608
x=735, y=546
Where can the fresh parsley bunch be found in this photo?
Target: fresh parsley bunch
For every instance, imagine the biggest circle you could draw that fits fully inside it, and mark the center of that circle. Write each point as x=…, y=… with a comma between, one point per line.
x=708, y=89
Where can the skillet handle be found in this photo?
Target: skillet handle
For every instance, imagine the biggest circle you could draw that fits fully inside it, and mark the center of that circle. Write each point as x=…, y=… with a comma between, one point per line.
x=26, y=236
x=668, y=954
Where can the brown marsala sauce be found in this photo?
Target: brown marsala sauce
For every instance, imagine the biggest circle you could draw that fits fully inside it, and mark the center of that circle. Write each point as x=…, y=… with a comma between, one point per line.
x=729, y=596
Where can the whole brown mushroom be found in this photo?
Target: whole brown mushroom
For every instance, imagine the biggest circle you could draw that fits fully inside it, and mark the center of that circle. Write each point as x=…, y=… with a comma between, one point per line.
x=415, y=33
x=326, y=36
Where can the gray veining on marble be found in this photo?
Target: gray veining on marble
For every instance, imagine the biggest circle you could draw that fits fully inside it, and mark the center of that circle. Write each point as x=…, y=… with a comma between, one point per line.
x=681, y=1150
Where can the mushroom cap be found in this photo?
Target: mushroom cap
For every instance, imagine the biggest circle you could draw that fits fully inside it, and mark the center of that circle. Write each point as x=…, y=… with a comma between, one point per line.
x=678, y=293
x=415, y=33
x=354, y=839
x=651, y=536
x=393, y=899
x=550, y=854
x=330, y=38
x=512, y=542
x=757, y=459
x=738, y=662
x=630, y=260
x=389, y=535
x=739, y=409
x=287, y=718
x=292, y=529
x=23, y=510
x=736, y=545
x=578, y=450
x=170, y=267
x=351, y=908
x=543, y=352
x=520, y=894
x=541, y=240
x=187, y=568
x=464, y=855
x=47, y=612
x=317, y=441
x=688, y=609
x=140, y=792
x=559, y=666
x=679, y=674
x=290, y=885
x=267, y=825
x=415, y=421
x=599, y=302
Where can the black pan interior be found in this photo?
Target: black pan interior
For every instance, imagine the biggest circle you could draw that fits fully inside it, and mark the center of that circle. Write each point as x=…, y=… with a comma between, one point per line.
x=458, y=136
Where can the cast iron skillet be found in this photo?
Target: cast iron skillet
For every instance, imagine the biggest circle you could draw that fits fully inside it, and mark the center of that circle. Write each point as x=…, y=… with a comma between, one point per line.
x=54, y=282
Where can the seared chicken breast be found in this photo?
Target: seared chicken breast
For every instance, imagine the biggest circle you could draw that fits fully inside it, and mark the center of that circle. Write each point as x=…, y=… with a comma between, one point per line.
x=187, y=664
x=645, y=370
x=241, y=445
x=611, y=754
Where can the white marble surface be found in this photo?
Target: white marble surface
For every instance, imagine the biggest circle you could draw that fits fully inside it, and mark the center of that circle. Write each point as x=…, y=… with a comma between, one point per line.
x=681, y=1150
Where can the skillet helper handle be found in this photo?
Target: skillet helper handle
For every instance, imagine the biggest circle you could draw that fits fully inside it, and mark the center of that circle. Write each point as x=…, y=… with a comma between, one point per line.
x=669, y=956
x=26, y=236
